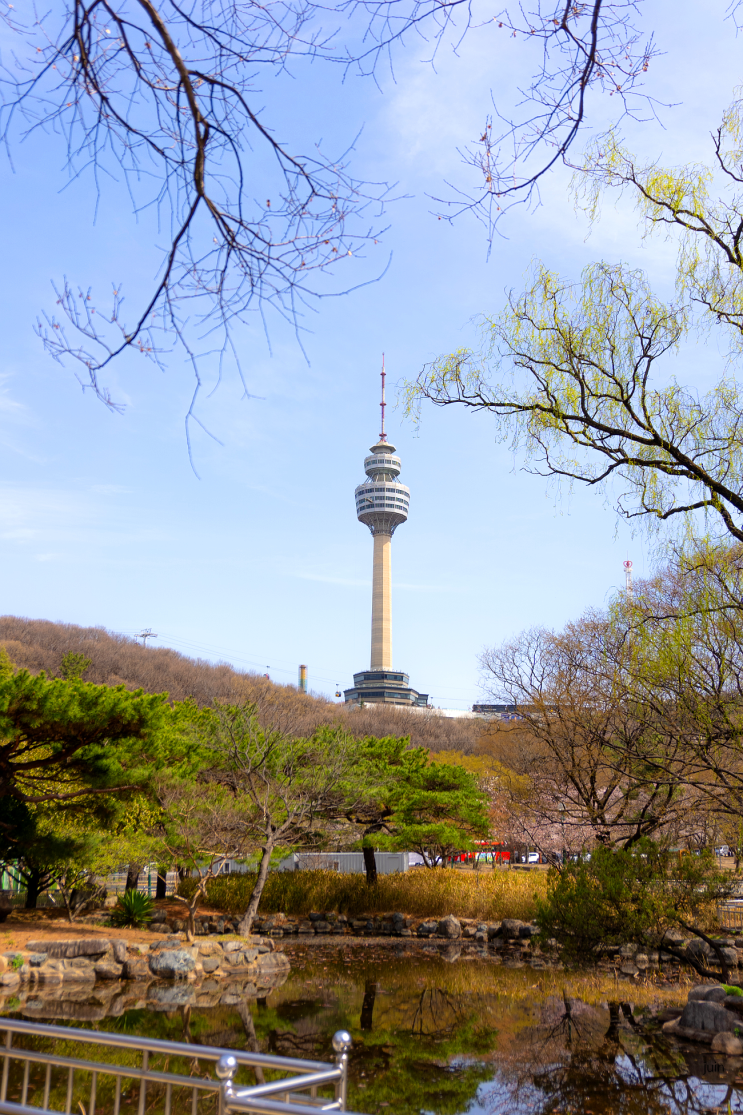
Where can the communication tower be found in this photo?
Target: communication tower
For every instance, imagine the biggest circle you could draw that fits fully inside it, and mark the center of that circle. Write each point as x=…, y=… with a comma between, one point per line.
x=382, y=504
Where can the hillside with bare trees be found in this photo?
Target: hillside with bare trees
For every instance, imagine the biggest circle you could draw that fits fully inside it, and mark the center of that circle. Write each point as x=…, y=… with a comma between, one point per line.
x=37, y=645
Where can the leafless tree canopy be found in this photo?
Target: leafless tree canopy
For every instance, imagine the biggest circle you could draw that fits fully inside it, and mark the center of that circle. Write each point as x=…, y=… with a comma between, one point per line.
x=170, y=96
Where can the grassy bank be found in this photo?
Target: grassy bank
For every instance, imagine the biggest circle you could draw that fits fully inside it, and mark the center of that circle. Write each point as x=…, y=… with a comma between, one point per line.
x=489, y=895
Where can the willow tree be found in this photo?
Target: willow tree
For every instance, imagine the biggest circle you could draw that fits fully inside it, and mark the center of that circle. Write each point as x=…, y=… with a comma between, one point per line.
x=579, y=375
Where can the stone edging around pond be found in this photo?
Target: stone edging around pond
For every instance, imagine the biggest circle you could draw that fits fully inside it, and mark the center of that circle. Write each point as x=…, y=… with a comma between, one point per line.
x=87, y=959
x=711, y=1016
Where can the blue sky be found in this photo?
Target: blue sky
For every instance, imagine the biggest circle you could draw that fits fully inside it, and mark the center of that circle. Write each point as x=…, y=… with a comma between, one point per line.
x=260, y=561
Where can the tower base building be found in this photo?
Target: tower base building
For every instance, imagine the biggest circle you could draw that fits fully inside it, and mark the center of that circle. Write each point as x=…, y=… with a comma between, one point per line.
x=384, y=687
x=382, y=504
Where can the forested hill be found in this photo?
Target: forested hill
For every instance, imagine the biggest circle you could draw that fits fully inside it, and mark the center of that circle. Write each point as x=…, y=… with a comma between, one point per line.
x=36, y=644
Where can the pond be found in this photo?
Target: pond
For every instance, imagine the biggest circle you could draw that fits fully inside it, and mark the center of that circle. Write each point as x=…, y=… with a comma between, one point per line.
x=442, y=1031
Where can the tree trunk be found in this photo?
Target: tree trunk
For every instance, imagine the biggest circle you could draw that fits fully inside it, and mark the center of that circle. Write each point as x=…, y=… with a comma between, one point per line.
x=247, y=920
x=33, y=887
x=161, y=882
x=370, y=865
x=132, y=875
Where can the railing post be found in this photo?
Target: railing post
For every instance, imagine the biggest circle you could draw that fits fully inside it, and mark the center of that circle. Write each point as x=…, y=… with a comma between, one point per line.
x=342, y=1045
x=225, y=1069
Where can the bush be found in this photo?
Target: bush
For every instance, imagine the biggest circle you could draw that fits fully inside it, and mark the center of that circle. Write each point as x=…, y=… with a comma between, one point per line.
x=635, y=895
x=421, y=893
x=132, y=910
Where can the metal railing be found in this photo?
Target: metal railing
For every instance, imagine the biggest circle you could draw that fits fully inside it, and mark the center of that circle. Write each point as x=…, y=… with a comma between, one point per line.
x=53, y=1071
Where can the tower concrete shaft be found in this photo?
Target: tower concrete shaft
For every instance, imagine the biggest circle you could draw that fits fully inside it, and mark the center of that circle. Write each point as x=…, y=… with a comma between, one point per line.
x=382, y=504
x=381, y=630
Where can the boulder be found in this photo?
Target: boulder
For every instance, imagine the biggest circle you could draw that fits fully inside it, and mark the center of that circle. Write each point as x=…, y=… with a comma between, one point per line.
x=727, y=1044
x=698, y=948
x=673, y=937
x=67, y=950
x=426, y=928
x=172, y=963
x=711, y=991
x=137, y=968
x=119, y=951
x=78, y=971
x=700, y=1014
x=108, y=969
x=449, y=927
x=510, y=928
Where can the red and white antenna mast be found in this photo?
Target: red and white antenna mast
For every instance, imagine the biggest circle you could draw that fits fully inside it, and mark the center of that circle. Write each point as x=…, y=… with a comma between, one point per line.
x=383, y=404
x=627, y=565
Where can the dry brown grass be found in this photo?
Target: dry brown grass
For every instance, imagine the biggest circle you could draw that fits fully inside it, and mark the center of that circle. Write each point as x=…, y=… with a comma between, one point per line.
x=487, y=895
x=37, y=645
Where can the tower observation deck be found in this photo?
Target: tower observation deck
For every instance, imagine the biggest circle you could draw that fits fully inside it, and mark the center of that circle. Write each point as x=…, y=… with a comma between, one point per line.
x=382, y=504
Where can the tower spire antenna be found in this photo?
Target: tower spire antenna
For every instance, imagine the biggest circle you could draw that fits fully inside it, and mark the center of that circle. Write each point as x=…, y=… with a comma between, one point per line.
x=383, y=404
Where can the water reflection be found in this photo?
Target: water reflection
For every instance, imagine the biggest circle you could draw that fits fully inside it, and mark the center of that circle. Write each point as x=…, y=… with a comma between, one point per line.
x=433, y=1034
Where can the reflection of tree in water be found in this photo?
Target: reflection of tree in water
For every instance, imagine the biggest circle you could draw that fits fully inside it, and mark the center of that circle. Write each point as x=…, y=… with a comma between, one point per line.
x=574, y=1062
x=409, y=1066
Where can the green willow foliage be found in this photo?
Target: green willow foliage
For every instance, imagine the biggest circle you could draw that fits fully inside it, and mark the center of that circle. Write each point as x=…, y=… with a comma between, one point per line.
x=576, y=374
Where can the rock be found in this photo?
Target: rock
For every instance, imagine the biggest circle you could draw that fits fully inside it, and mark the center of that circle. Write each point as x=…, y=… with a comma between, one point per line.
x=172, y=963
x=728, y=1044
x=137, y=968
x=510, y=928
x=449, y=927
x=698, y=949
x=426, y=928
x=703, y=990
x=78, y=971
x=119, y=951
x=699, y=1014
x=107, y=969
x=67, y=950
